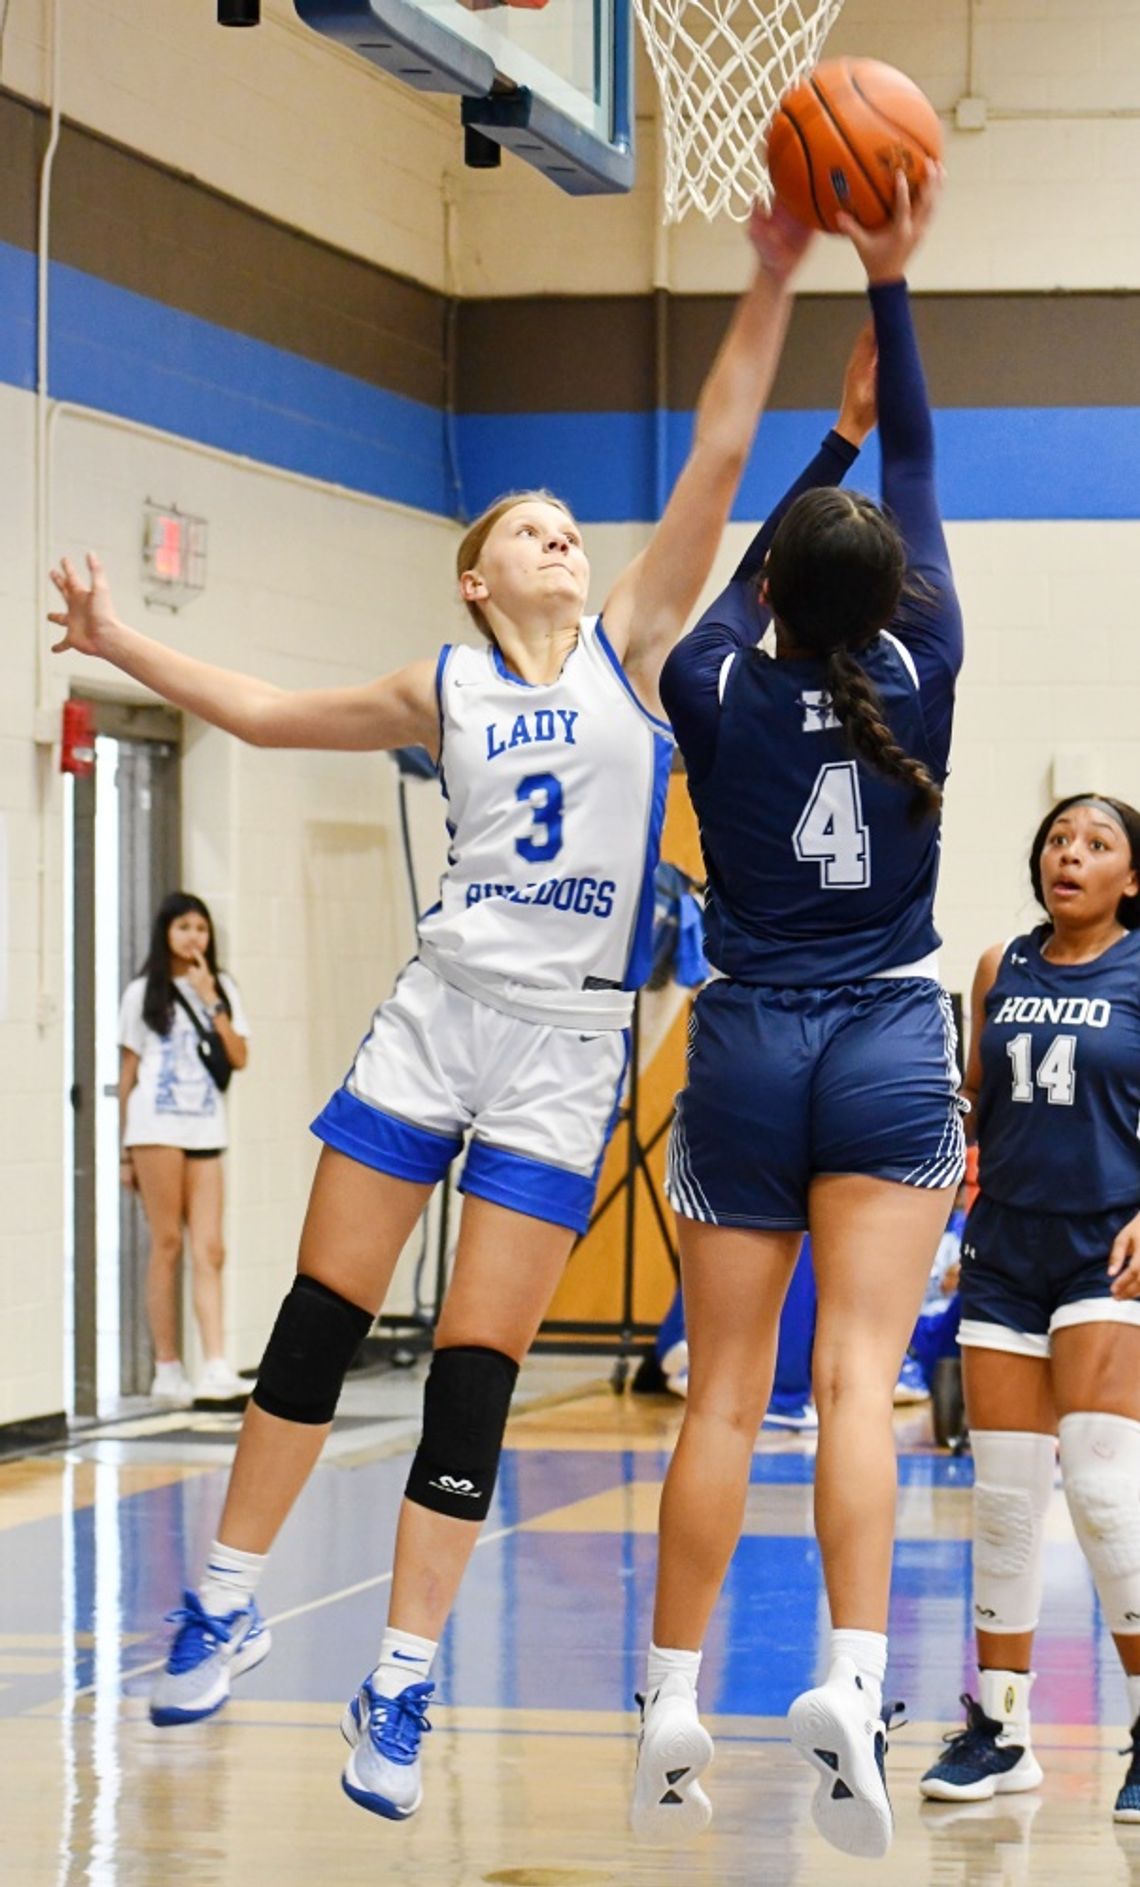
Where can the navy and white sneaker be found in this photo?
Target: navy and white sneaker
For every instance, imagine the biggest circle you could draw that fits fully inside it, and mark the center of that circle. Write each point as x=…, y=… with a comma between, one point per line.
x=205, y=1653
x=837, y=1732
x=383, y=1772
x=985, y=1759
x=673, y=1751
x=1127, y=1806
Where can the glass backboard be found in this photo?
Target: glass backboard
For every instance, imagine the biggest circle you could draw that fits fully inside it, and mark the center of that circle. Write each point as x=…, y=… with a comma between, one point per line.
x=550, y=82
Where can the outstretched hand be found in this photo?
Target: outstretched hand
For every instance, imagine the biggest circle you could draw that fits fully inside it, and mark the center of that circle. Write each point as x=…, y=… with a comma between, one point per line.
x=780, y=241
x=859, y=411
x=885, y=252
x=88, y=613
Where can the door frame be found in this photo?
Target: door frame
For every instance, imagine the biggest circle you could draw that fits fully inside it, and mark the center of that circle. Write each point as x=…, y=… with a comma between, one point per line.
x=120, y=720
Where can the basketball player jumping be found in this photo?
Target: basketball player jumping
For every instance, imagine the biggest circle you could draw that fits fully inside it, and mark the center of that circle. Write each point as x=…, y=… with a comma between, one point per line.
x=821, y=1089
x=510, y=1023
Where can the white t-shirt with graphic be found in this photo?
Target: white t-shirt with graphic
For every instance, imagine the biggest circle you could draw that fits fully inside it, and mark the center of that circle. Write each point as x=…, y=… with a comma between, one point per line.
x=174, y=1102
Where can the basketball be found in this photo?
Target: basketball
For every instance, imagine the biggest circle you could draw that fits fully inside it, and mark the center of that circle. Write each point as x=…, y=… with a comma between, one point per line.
x=838, y=138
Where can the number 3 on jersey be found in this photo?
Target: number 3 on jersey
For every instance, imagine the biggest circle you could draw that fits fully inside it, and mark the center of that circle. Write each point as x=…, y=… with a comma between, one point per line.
x=831, y=832
x=543, y=793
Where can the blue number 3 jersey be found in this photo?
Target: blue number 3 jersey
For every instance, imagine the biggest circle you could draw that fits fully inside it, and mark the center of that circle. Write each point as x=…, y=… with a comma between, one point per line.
x=1059, y=1108
x=556, y=796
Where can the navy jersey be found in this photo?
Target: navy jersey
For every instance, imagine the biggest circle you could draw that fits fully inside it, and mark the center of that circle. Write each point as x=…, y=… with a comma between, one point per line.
x=817, y=872
x=1059, y=1109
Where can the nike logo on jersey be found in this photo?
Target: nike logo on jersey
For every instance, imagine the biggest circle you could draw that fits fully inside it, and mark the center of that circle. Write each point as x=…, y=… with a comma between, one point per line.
x=1014, y=958
x=533, y=730
x=818, y=711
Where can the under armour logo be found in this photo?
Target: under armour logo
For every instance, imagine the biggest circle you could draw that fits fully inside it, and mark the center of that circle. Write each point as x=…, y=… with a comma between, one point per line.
x=818, y=711
x=448, y=1484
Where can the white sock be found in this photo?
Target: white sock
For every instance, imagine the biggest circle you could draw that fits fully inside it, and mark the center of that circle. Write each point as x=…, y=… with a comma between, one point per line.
x=663, y=1663
x=230, y=1579
x=1004, y=1696
x=1133, y=1684
x=867, y=1651
x=404, y=1659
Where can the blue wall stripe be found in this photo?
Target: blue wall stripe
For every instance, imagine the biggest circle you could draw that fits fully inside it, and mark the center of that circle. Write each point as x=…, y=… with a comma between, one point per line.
x=17, y=317
x=126, y=354
x=993, y=462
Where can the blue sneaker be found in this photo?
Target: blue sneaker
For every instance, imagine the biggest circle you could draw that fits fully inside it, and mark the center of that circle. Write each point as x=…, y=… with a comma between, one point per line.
x=802, y=1416
x=982, y=1760
x=205, y=1654
x=1128, y=1801
x=912, y=1385
x=383, y=1772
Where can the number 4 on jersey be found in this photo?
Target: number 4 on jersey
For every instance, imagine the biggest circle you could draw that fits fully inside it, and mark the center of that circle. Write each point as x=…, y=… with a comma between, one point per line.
x=831, y=832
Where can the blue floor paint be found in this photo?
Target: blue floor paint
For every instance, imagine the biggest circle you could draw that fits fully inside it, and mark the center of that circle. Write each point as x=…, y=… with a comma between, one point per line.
x=546, y=1618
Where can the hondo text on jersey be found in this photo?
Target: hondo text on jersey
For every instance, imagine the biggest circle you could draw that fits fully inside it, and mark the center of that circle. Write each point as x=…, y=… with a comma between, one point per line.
x=1074, y=1012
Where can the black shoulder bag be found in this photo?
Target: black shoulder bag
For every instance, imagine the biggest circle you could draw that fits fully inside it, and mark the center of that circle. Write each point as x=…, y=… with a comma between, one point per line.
x=211, y=1047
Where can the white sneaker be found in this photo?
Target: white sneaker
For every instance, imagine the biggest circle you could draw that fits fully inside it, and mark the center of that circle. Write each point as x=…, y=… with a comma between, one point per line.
x=171, y=1384
x=219, y=1383
x=836, y=1730
x=383, y=1772
x=673, y=1751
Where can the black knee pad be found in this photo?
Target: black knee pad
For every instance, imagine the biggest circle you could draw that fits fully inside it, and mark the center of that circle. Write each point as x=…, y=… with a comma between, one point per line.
x=466, y=1400
x=314, y=1340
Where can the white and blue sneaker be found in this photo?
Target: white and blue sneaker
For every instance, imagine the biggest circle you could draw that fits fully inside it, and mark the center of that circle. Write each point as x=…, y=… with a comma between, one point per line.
x=206, y=1652
x=673, y=1752
x=912, y=1385
x=836, y=1730
x=383, y=1772
x=983, y=1760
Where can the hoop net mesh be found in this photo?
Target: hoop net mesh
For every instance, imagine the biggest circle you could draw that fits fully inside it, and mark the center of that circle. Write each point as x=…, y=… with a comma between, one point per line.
x=721, y=68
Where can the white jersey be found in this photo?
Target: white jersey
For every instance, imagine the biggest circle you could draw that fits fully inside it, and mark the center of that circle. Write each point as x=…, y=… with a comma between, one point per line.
x=174, y=1102
x=556, y=794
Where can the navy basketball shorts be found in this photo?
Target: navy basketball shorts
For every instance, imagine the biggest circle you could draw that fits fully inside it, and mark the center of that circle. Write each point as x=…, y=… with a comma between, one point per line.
x=1027, y=1274
x=537, y=1104
x=787, y=1084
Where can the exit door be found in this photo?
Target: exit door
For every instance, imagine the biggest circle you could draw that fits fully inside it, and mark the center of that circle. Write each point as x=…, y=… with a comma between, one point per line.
x=126, y=857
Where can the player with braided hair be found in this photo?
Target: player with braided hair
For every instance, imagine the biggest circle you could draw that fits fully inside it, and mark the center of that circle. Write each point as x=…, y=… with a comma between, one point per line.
x=822, y=1080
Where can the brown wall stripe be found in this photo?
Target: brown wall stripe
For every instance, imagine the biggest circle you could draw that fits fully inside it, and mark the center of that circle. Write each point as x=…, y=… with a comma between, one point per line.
x=595, y=354
x=118, y=216
x=127, y=220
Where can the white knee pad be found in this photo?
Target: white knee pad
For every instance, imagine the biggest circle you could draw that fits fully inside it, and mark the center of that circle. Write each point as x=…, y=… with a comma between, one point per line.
x=1100, y=1464
x=1013, y=1484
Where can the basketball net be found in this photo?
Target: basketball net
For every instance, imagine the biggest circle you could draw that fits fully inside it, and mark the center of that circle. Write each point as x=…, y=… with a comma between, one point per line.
x=721, y=67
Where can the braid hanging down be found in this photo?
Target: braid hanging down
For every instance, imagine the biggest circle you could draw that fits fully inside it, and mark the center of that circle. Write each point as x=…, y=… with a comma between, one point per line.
x=856, y=704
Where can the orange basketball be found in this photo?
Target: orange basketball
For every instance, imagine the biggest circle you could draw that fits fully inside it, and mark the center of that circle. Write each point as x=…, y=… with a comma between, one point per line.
x=838, y=139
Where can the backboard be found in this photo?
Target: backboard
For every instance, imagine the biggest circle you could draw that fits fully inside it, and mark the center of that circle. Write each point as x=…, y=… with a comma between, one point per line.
x=552, y=83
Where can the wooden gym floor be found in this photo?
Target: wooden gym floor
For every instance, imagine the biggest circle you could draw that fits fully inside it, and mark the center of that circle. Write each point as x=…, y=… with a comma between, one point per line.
x=527, y=1770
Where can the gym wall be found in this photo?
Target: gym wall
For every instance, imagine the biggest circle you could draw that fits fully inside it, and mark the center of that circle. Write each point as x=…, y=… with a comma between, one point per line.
x=271, y=256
